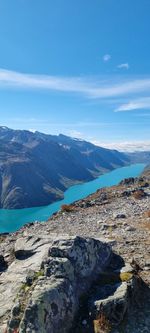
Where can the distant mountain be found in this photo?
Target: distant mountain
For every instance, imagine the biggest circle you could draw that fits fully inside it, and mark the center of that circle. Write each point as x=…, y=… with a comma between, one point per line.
x=146, y=171
x=35, y=168
x=140, y=157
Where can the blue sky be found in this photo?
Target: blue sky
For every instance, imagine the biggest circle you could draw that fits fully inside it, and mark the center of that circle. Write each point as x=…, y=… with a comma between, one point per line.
x=77, y=67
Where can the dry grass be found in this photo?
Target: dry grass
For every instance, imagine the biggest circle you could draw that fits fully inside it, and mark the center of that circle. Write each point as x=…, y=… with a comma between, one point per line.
x=144, y=225
x=2, y=239
x=102, y=324
x=147, y=214
x=139, y=194
x=67, y=208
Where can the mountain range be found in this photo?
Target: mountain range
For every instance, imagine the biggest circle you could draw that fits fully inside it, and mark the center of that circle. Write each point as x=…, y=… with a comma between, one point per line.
x=36, y=168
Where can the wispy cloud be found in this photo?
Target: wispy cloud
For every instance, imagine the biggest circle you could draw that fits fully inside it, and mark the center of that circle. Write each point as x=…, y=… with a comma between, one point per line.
x=124, y=66
x=142, y=114
x=88, y=87
x=106, y=57
x=75, y=134
x=141, y=103
x=126, y=146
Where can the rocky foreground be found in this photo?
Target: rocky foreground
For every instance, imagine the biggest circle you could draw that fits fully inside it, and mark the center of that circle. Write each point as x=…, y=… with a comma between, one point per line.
x=85, y=270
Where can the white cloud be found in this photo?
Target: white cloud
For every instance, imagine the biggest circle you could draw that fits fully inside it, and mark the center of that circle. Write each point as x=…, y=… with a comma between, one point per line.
x=75, y=134
x=124, y=66
x=141, y=103
x=33, y=130
x=88, y=87
x=126, y=146
x=106, y=57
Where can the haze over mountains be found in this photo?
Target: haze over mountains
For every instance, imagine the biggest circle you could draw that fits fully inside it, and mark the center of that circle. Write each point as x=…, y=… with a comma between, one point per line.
x=35, y=168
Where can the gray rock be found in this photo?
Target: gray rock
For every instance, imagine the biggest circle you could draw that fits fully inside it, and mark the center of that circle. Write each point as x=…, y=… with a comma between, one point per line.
x=88, y=256
x=147, y=263
x=3, y=264
x=16, y=275
x=112, y=300
x=119, y=216
x=127, y=181
x=28, y=246
x=127, y=269
x=130, y=228
x=51, y=308
x=59, y=267
x=51, y=301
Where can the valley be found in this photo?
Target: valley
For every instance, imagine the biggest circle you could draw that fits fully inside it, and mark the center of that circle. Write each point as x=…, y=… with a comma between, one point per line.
x=36, y=169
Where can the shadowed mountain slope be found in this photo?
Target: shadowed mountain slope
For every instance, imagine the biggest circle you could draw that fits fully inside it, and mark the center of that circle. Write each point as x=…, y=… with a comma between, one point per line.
x=35, y=168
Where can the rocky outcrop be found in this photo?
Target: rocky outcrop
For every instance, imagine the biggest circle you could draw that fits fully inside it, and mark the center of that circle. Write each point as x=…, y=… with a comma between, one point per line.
x=114, y=294
x=46, y=281
x=3, y=264
x=53, y=280
x=48, y=278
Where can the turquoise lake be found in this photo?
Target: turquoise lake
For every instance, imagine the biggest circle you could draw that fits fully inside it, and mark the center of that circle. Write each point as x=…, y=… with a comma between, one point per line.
x=12, y=220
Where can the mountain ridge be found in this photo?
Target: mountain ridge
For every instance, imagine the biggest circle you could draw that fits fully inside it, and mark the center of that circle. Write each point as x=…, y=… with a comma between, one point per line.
x=36, y=168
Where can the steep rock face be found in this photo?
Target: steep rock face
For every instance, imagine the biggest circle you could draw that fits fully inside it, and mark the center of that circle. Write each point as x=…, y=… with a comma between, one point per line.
x=50, y=278
x=35, y=169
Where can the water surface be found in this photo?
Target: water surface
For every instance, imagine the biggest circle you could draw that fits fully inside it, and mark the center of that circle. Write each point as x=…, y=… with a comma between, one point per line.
x=12, y=220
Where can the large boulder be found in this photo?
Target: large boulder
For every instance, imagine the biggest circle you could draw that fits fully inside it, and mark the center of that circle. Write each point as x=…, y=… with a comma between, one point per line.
x=51, y=301
x=89, y=257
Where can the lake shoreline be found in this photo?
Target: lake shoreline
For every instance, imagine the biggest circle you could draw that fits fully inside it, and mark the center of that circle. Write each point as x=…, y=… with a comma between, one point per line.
x=12, y=220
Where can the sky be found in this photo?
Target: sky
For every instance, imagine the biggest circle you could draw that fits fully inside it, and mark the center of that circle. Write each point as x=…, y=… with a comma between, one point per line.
x=81, y=68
